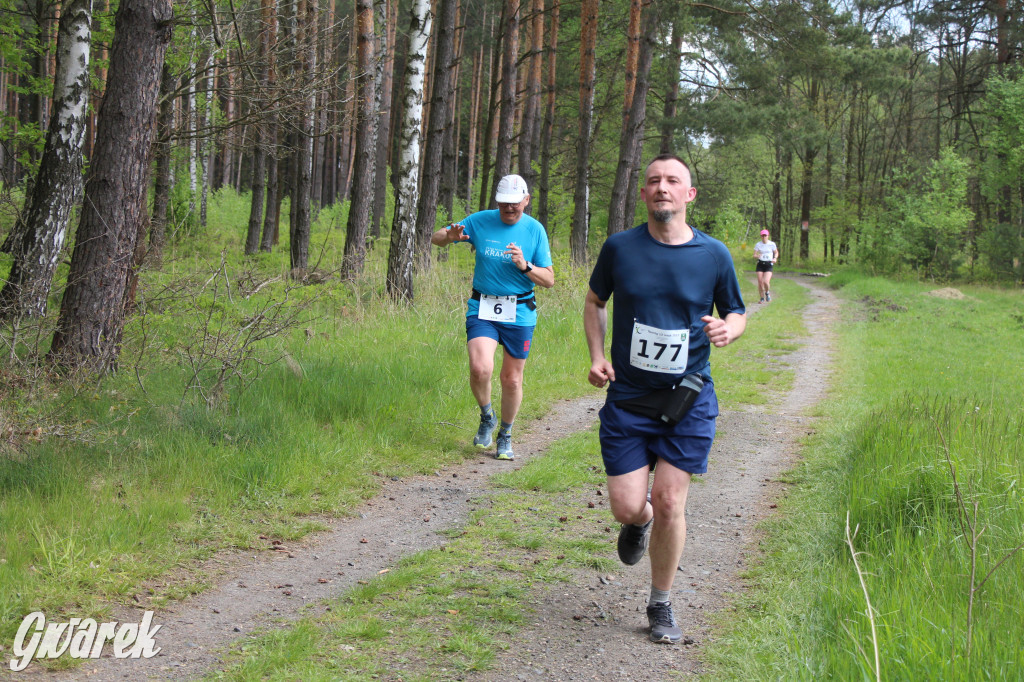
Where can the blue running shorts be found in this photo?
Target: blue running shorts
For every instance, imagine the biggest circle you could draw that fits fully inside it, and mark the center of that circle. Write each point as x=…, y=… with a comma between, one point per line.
x=630, y=441
x=516, y=339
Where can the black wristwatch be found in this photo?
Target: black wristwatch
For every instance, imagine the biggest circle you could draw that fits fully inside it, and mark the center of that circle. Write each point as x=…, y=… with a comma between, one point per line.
x=527, y=268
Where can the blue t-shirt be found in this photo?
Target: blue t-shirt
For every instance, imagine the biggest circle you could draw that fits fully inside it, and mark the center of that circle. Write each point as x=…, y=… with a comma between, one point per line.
x=668, y=287
x=494, y=273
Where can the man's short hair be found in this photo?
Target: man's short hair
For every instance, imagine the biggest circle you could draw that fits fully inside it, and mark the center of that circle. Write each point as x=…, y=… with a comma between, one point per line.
x=669, y=157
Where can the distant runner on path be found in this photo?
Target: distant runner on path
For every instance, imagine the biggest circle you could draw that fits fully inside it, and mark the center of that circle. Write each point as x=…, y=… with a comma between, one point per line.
x=512, y=255
x=767, y=254
x=666, y=277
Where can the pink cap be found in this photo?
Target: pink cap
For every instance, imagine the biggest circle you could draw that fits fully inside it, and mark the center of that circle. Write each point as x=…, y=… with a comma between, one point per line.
x=764, y=233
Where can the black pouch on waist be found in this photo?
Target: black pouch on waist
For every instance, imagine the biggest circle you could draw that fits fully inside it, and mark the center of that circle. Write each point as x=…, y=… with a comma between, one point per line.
x=668, y=405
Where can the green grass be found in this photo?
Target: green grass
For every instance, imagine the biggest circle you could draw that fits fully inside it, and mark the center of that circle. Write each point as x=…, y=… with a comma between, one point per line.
x=759, y=357
x=925, y=382
x=155, y=476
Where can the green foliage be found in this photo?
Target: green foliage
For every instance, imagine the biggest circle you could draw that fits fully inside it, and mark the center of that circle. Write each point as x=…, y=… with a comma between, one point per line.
x=927, y=221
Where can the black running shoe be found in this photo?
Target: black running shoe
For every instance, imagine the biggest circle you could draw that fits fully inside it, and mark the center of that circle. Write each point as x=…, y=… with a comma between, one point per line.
x=633, y=542
x=663, y=623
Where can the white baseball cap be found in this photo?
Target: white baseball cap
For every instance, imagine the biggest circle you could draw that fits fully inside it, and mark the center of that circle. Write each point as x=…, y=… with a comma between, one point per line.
x=511, y=190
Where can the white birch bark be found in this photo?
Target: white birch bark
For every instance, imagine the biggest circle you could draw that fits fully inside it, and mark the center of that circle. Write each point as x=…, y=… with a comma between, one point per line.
x=206, y=143
x=403, y=227
x=40, y=237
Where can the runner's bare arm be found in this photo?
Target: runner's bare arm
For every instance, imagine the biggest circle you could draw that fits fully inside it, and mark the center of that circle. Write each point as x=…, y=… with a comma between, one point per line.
x=595, y=324
x=449, y=234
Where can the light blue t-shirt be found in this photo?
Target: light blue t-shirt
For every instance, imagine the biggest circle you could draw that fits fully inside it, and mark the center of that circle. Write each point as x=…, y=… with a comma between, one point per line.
x=494, y=273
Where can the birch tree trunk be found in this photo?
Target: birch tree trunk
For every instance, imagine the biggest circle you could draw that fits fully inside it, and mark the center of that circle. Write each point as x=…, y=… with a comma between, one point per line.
x=366, y=139
x=581, y=195
x=433, y=150
x=91, y=321
x=403, y=227
x=40, y=237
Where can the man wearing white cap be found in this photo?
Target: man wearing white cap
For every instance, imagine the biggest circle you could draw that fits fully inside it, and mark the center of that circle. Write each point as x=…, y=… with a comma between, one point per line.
x=512, y=256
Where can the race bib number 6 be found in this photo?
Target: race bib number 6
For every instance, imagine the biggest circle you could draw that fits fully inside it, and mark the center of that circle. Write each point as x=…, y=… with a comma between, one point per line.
x=497, y=308
x=659, y=350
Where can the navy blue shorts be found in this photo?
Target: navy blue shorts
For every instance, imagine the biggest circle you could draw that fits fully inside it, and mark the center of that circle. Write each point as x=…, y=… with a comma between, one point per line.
x=630, y=441
x=516, y=339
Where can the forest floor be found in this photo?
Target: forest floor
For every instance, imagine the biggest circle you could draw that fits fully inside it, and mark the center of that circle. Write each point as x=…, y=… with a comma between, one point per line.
x=592, y=628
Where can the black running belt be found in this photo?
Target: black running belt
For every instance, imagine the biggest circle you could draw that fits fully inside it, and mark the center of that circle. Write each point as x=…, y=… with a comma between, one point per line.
x=520, y=298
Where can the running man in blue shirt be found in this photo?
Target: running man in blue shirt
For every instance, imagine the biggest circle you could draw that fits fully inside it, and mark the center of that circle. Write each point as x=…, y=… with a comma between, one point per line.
x=666, y=277
x=512, y=256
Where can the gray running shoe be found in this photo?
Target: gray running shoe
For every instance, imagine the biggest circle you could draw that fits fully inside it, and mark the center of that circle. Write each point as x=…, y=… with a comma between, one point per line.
x=663, y=623
x=768, y=296
x=633, y=542
x=482, y=439
x=504, y=447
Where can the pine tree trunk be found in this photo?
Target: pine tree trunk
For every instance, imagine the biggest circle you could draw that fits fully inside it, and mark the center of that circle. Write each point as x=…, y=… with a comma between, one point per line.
x=672, y=98
x=581, y=195
x=476, y=90
x=303, y=169
x=530, y=129
x=620, y=215
x=384, y=73
x=39, y=238
x=489, y=110
x=162, y=181
x=403, y=229
x=91, y=321
x=509, y=69
x=268, y=16
x=549, y=121
x=453, y=133
x=365, y=152
x=259, y=152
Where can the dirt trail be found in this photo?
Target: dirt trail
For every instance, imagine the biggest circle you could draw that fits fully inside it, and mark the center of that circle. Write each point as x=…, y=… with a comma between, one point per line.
x=593, y=629
x=596, y=629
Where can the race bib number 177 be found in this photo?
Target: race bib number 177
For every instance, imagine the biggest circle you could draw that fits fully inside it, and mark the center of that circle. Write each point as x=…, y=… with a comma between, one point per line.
x=659, y=350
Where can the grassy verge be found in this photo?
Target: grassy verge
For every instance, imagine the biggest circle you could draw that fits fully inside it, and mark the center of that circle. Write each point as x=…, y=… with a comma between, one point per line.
x=198, y=445
x=922, y=447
